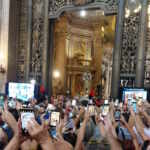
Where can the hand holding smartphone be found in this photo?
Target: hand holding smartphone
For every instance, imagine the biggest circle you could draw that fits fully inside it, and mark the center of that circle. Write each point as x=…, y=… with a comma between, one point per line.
x=26, y=116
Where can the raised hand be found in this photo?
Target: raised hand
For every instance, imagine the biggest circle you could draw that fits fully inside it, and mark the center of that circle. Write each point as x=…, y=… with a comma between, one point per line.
x=40, y=134
x=10, y=120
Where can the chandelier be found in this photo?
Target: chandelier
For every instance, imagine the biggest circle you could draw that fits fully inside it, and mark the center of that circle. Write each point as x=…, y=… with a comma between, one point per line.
x=132, y=7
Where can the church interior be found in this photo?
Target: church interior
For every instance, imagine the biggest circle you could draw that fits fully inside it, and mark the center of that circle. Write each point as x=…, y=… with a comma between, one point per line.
x=74, y=74
x=75, y=45
x=83, y=45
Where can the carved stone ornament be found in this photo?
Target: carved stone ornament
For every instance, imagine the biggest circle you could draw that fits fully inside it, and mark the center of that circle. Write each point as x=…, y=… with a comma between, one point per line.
x=56, y=7
x=37, y=38
x=130, y=44
x=83, y=2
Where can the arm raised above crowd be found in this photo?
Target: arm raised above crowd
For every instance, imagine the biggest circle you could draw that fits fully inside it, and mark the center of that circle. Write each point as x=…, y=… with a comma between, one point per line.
x=13, y=144
x=41, y=135
x=110, y=133
x=135, y=142
x=10, y=120
x=81, y=132
x=140, y=127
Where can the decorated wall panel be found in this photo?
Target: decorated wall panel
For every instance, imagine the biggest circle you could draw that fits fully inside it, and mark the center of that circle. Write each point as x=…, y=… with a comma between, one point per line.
x=147, y=58
x=37, y=39
x=23, y=30
x=56, y=7
x=129, y=44
x=129, y=49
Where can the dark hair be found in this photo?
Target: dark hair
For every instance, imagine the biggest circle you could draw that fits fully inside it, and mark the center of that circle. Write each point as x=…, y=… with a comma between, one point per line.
x=2, y=145
x=145, y=145
x=71, y=138
x=15, y=113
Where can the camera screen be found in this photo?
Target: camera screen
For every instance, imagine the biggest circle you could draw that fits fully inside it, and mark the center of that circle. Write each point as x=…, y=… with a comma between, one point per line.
x=91, y=109
x=74, y=103
x=134, y=107
x=105, y=110
x=22, y=91
x=55, y=116
x=25, y=118
x=117, y=115
x=2, y=102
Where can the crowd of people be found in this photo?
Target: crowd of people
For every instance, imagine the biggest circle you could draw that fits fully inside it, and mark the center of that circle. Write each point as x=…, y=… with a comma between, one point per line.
x=63, y=123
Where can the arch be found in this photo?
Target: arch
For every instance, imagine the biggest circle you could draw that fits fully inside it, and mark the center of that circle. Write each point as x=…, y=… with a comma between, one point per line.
x=57, y=7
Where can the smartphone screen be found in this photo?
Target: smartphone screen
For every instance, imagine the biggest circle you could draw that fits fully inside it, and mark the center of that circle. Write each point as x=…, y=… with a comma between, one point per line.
x=55, y=118
x=129, y=102
x=134, y=107
x=70, y=115
x=116, y=102
x=26, y=116
x=91, y=110
x=1, y=102
x=105, y=110
x=117, y=115
x=74, y=102
x=106, y=102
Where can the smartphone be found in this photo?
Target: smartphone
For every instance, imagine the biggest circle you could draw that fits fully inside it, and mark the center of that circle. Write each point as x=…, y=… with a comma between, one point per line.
x=106, y=102
x=26, y=116
x=117, y=115
x=1, y=102
x=129, y=102
x=134, y=106
x=116, y=102
x=91, y=110
x=12, y=104
x=74, y=102
x=70, y=115
x=55, y=118
x=105, y=110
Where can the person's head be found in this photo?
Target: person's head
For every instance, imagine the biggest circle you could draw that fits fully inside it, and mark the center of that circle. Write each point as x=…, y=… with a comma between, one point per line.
x=33, y=102
x=42, y=110
x=55, y=102
x=46, y=102
x=146, y=145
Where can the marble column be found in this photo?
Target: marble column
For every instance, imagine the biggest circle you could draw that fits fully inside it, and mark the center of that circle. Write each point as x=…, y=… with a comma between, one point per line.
x=45, y=63
x=4, y=27
x=140, y=56
x=29, y=41
x=60, y=52
x=117, y=50
x=50, y=57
